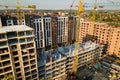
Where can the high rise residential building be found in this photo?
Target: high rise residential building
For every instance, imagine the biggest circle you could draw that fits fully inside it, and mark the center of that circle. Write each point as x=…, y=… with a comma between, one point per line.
x=47, y=31
x=60, y=23
x=62, y=30
x=54, y=23
x=11, y=19
x=74, y=28
x=50, y=31
x=18, y=53
x=114, y=47
x=29, y=19
x=57, y=64
x=85, y=31
x=103, y=34
x=109, y=36
x=39, y=32
x=36, y=22
x=8, y=20
x=70, y=30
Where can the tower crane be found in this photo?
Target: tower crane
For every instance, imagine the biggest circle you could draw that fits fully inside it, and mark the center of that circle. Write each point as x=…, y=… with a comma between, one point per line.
x=93, y=18
x=97, y=5
x=18, y=7
x=80, y=11
x=78, y=31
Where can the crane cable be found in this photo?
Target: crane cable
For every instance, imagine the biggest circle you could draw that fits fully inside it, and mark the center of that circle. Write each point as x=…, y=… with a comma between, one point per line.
x=71, y=6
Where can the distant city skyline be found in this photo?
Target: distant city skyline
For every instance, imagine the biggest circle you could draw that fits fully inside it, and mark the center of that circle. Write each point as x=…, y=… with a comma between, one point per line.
x=52, y=4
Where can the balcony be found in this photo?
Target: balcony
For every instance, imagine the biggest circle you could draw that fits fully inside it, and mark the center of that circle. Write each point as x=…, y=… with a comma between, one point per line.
x=16, y=59
x=0, y=64
x=29, y=33
x=6, y=63
x=32, y=56
x=1, y=77
x=32, y=62
x=29, y=39
x=14, y=47
x=18, y=70
x=30, y=45
x=22, y=40
x=15, y=53
x=21, y=34
x=3, y=51
x=28, y=78
x=27, y=74
x=23, y=46
x=11, y=35
x=25, y=58
x=34, y=72
x=3, y=44
x=26, y=63
x=34, y=76
x=31, y=51
x=18, y=75
x=26, y=69
x=7, y=69
x=1, y=71
x=12, y=41
x=2, y=37
x=33, y=66
x=17, y=64
x=5, y=57
x=24, y=52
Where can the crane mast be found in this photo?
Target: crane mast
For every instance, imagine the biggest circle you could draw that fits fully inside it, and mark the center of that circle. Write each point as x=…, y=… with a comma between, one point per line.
x=93, y=18
x=78, y=31
x=19, y=12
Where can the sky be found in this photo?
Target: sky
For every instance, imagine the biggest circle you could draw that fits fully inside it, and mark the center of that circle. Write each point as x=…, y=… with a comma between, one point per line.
x=49, y=4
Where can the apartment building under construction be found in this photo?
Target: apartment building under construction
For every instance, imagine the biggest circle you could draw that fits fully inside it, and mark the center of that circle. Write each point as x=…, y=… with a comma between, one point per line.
x=54, y=23
x=71, y=31
x=50, y=31
x=57, y=64
x=62, y=30
x=103, y=34
x=8, y=20
x=18, y=53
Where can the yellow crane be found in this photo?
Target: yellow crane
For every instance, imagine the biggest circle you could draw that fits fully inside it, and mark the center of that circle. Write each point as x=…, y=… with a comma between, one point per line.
x=18, y=7
x=78, y=27
x=19, y=13
x=78, y=31
x=93, y=18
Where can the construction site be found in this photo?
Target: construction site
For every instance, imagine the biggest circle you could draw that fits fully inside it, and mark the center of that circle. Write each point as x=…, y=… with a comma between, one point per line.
x=72, y=45
x=59, y=63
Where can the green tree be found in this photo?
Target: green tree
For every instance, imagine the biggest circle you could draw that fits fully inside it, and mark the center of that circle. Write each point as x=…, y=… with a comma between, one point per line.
x=46, y=79
x=8, y=77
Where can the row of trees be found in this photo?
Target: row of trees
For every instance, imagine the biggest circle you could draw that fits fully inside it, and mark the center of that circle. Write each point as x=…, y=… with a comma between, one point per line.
x=110, y=17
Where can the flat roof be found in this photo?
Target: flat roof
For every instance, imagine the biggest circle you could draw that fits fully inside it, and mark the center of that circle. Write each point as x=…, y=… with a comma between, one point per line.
x=65, y=51
x=16, y=28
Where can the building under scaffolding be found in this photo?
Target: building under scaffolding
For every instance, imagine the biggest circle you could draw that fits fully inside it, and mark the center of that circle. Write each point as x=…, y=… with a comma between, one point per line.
x=57, y=64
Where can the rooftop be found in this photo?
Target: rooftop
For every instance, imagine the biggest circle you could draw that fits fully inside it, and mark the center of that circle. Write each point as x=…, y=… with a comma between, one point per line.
x=15, y=28
x=66, y=51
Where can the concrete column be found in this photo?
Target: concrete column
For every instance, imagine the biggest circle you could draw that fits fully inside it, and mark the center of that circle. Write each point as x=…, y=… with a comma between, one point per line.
x=0, y=23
